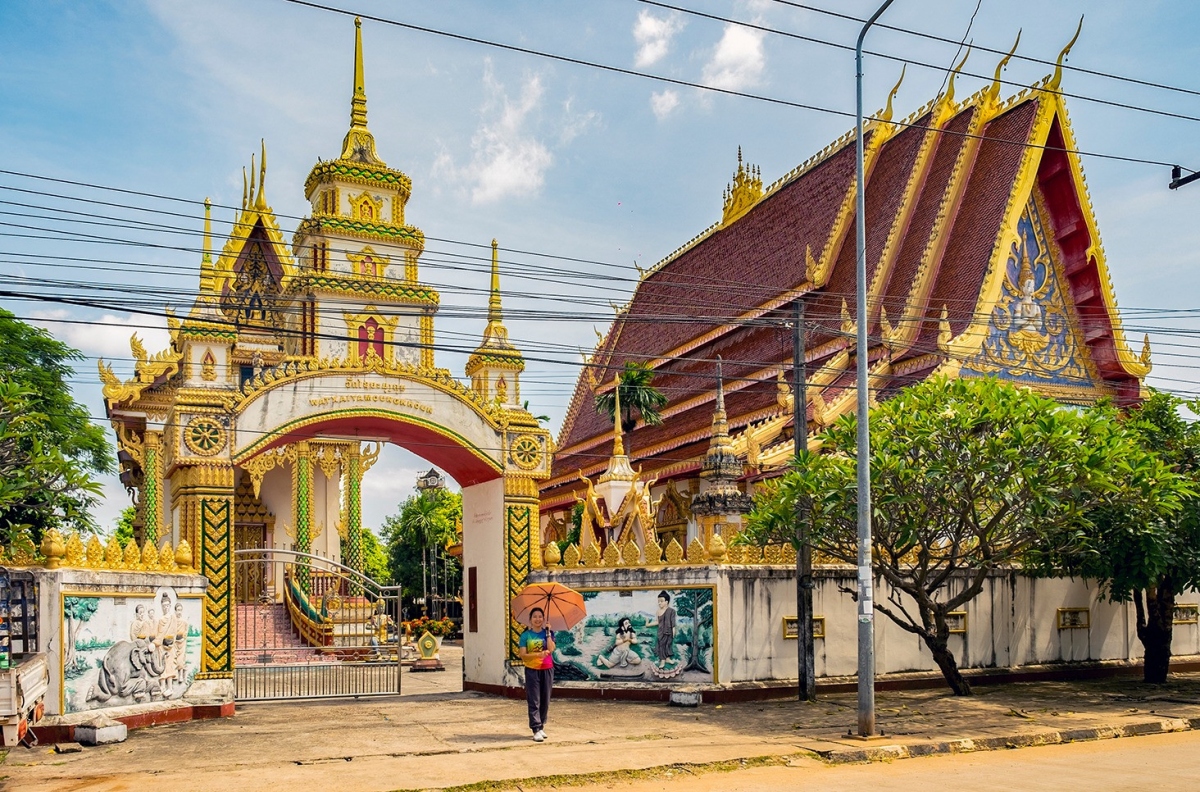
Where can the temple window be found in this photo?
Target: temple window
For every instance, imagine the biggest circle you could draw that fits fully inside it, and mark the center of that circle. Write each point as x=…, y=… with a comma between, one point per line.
x=370, y=338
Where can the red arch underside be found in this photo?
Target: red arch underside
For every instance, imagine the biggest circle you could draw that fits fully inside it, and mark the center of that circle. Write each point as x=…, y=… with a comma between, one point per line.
x=459, y=462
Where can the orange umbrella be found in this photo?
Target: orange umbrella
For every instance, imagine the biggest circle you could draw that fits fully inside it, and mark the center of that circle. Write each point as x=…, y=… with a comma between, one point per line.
x=563, y=606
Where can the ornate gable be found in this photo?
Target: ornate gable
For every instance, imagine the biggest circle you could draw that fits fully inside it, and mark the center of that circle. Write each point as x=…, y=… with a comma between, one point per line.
x=1034, y=334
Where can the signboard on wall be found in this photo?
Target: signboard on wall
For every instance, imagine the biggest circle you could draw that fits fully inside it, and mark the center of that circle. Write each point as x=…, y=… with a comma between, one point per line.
x=128, y=649
x=641, y=635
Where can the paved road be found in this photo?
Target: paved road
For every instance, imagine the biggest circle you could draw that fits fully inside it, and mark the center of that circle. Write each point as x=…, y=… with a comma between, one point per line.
x=434, y=736
x=1163, y=763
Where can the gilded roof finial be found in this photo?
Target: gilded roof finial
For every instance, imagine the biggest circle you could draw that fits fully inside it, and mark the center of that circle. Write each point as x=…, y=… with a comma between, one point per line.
x=745, y=191
x=1056, y=80
x=1145, y=356
x=994, y=90
x=886, y=115
x=252, y=190
x=245, y=190
x=260, y=200
x=208, y=281
x=618, y=431
x=358, y=101
x=954, y=73
x=494, y=314
x=359, y=143
x=945, y=333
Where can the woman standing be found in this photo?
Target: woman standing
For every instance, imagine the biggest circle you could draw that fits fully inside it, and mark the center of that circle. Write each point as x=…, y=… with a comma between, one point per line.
x=536, y=649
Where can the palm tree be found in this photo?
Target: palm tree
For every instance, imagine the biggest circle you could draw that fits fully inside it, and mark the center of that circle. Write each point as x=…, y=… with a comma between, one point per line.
x=639, y=398
x=423, y=524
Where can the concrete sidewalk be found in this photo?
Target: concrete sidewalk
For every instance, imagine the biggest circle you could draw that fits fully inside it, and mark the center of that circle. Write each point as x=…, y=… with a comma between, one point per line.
x=435, y=738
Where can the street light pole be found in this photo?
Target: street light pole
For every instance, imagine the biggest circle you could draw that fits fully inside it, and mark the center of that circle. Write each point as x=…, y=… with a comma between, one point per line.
x=866, y=605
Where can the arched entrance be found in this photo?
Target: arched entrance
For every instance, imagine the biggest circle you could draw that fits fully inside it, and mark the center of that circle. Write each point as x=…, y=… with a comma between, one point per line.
x=295, y=361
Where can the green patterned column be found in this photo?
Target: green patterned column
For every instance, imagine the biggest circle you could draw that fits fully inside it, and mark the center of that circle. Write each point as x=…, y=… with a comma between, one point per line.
x=302, y=475
x=213, y=489
x=352, y=545
x=151, y=489
x=520, y=515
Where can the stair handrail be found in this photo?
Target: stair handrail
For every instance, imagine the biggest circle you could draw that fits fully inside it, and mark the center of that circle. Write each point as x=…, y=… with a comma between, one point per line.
x=314, y=632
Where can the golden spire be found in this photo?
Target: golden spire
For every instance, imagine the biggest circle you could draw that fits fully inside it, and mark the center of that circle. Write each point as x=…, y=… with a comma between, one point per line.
x=359, y=143
x=245, y=190
x=720, y=463
x=208, y=279
x=618, y=431
x=260, y=200
x=954, y=73
x=358, y=102
x=494, y=314
x=252, y=190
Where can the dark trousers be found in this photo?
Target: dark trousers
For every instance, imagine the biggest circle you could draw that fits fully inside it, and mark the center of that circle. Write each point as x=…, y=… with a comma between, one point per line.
x=538, y=682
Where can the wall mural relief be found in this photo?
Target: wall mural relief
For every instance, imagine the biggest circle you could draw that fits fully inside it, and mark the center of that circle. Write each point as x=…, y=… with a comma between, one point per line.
x=640, y=635
x=129, y=649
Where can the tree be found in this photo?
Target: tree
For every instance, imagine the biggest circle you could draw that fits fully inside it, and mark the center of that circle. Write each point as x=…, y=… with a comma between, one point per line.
x=40, y=488
x=967, y=477
x=375, y=558
x=639, y=398
x=124, y=528
x=76, y=610
x=426, y=522
x=57, y=444
x=1146, y=556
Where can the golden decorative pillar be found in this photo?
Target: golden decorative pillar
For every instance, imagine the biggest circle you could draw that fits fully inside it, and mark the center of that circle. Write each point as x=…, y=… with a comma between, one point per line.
x=205, y=497
x=520, y=526
x=152, y=488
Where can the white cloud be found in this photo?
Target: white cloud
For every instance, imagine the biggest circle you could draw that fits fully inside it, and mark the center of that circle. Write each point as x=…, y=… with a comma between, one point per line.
x=664, y=103
x=738, y=60
x=653, y=36
x=507, y=159
x=575, y=124
x=107, y=336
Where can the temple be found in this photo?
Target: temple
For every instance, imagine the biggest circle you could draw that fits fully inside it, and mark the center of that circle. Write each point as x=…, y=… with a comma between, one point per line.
x=983, y=258
x=248, y=438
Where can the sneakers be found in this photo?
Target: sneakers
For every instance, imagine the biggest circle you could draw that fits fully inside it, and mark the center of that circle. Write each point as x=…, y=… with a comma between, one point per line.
x=539, y=736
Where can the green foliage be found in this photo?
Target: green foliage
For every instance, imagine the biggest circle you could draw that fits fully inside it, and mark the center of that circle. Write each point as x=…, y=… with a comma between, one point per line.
x=639, y=397
x=124, y=528
x=375, y=558
x=80, y=608
x=1127, y=547
x=426, y=524
x=576, y=529
x=968, y=476
x=49, y=448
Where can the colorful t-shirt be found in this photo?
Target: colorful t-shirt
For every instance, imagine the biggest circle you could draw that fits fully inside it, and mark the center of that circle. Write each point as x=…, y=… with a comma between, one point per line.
x=532, y=641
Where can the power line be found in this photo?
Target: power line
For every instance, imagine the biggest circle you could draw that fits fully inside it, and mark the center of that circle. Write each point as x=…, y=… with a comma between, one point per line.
x=914, y=62
x=1028, y=58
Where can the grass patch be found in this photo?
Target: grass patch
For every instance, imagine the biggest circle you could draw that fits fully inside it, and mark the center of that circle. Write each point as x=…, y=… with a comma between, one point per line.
x=659, y=773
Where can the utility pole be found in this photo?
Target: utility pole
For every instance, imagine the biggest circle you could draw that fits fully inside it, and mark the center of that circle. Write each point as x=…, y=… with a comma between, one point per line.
x=804, y=584
x=866, y=605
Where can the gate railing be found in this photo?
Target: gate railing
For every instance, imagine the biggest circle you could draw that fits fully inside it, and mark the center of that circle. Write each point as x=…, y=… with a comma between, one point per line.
x=340, y=639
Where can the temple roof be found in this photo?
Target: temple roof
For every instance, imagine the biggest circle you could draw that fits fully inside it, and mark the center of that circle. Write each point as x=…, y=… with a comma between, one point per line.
x=953, y=193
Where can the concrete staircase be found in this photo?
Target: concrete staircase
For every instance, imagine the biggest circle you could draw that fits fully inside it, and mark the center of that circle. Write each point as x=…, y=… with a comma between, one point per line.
x=265, y=636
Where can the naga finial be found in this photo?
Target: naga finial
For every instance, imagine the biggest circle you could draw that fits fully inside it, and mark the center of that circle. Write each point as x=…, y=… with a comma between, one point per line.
x=1056, y=80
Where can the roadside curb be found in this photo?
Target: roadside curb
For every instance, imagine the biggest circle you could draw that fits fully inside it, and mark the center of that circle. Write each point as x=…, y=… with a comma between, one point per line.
x=879, y=753
x=1028, y=740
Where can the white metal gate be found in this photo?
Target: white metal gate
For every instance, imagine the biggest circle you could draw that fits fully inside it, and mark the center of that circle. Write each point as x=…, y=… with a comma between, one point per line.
x=313, y=629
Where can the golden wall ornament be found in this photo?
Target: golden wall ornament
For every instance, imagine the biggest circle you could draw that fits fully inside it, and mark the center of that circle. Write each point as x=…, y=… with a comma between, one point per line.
x=696, y=554
x=591, y=556
x=674, y=553
x=571, y=557
x=611, y=556
x=653, y=551
x=204, y=435
x=550, y=556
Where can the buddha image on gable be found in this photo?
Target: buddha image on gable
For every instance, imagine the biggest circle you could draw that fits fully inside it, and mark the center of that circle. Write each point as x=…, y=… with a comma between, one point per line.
x=1031, y=325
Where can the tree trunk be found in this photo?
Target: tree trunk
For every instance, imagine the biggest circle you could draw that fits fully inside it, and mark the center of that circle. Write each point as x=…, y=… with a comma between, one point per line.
x=1155, y=628
x=948, y=665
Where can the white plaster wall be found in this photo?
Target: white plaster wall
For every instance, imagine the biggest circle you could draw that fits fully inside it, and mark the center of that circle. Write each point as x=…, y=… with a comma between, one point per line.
x=52, y=584
x=315, y=396
x=1012, y=623
x=485, y=652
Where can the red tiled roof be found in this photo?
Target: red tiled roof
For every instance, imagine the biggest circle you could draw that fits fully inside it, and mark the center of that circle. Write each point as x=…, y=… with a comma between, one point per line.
x=692, y=300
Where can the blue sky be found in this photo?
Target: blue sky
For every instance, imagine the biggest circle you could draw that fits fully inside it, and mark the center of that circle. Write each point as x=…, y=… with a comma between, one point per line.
x=173, y=97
